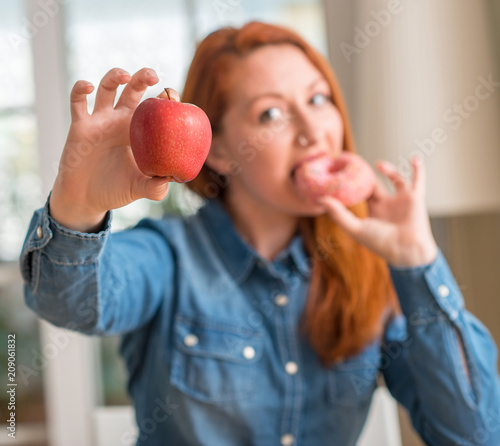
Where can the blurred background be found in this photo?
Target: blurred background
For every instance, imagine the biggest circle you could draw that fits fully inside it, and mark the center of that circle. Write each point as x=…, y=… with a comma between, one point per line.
x=419, y=77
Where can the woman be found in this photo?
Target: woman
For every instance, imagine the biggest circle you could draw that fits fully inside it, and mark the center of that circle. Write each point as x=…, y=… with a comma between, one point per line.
x=265, y=318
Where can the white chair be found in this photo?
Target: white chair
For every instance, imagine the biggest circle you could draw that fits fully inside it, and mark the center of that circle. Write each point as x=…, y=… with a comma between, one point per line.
x=382, y=425
x=115, y=426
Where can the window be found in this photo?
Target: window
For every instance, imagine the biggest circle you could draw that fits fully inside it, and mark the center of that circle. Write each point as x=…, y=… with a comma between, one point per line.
x=20, y=195
x=19, y=178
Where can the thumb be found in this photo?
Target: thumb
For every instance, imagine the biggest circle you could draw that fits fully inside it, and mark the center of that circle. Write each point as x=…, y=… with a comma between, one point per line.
x=341, y=215
x=155, y=188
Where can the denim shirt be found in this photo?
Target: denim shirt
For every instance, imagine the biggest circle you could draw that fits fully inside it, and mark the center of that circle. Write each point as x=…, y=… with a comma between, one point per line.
x=212, y=344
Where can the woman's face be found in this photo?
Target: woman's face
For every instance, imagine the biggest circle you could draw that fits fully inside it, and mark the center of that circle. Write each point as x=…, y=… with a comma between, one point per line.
x=279, y=111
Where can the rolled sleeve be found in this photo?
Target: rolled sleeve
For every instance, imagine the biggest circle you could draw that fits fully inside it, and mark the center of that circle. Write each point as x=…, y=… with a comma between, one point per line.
x=426, y=291
x=66, y=247
x=95, y=283
x=424, y=372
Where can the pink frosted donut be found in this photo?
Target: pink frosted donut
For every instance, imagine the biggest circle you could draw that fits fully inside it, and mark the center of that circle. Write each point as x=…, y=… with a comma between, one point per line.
x=348, y=177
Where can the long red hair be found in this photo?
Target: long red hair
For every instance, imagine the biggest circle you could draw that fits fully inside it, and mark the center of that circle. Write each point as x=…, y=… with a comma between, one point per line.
x=350, y=291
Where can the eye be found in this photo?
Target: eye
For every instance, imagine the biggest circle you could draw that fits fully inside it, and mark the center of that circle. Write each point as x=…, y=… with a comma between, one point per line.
x=270, y=115
x=320, y=99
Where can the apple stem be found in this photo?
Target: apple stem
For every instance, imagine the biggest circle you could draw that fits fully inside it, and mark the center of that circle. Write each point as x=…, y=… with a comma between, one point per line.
x=168, y=94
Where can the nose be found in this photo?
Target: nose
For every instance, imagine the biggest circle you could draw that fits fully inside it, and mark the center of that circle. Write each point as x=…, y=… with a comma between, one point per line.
x=309, y=131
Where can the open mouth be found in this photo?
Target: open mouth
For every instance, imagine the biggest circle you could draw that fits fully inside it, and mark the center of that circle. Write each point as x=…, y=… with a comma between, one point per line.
x=305, y=160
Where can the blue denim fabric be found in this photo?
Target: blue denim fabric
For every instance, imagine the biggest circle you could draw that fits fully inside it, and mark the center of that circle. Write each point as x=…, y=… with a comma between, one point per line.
x=212, y=346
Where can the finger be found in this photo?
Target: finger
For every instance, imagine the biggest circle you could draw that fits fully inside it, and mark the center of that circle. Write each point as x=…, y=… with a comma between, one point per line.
x=133, y=92
x=106, y=92
x=391, y=172
x=419, y=174
x=341, y=215
x=378, y=196
x=379, y=191
x=155, y=188
x=169, y=93
x=78, y=100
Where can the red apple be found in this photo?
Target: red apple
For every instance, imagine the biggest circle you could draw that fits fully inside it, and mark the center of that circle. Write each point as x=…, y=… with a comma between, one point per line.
x=170, y=138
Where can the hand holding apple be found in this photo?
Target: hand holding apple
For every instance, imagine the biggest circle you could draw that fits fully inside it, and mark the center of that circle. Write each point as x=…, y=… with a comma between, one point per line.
x=169, y=138
x=97, y=170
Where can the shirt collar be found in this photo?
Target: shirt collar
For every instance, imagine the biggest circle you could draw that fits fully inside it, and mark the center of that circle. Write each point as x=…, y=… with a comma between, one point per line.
x=238, y=256
x=301, y=260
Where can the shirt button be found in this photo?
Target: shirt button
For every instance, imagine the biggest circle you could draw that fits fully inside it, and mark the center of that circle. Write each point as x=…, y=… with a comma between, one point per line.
x=191, y=340
x=281, y=300
x=248, y=352
x=39, y=232
x=287, y=440
x=443, y=291
x=291, y=368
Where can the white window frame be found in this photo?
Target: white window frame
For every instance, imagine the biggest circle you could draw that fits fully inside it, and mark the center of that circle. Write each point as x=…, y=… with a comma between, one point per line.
x=70, y=381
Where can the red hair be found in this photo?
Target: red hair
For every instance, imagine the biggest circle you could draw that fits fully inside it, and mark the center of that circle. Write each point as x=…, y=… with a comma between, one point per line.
x=350, y=291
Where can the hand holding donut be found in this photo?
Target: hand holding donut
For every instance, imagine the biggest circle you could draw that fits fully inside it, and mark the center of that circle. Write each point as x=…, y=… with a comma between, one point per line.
x=398, y=227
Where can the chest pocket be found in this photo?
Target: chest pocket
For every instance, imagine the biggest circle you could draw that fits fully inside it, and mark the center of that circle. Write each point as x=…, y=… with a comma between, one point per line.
x=351, y=383
x=214, y=362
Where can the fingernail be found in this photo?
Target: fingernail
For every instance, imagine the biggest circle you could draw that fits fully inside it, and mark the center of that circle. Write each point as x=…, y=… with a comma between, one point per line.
x=161, y=187
x=123, y=73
